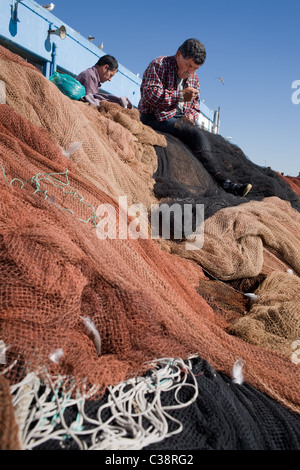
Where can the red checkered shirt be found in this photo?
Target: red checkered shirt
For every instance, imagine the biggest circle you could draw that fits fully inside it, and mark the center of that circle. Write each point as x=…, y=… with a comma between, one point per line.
x=159, y=94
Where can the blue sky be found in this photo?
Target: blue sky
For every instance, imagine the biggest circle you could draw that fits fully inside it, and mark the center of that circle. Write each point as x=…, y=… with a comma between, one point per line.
x=254, y=46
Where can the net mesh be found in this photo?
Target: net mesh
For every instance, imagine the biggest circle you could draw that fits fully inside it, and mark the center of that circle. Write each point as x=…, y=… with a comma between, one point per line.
x=106, y=149
x=175, y=409
x=273, y=320
x=294, y=183
x=192, y=172
x=144, y=297
x=9, y=432
x=236, y=239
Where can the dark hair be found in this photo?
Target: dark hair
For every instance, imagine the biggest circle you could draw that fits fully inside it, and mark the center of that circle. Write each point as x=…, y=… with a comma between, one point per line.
x=193, y=49
x=108, y=60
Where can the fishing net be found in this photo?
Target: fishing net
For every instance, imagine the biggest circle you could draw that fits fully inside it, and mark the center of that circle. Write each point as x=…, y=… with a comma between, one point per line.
x=172, y=407
x=249, y=420
x=53, y=272
x=121, y=162
x=187, y=174
x=235, y=237
x=273, y=320
x=294, y=182
x=92, y=311
x=9, y=431
x=56, y=271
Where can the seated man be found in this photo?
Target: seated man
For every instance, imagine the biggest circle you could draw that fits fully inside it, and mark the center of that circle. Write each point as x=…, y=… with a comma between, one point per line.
x=93, y=77
x=101, y=72
x=170, y=103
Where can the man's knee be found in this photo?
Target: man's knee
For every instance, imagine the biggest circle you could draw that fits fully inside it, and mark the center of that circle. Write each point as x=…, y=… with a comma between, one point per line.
x=190, y=134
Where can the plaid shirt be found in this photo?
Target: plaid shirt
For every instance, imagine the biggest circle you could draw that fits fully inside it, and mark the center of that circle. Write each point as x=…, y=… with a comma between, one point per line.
x=159, y=92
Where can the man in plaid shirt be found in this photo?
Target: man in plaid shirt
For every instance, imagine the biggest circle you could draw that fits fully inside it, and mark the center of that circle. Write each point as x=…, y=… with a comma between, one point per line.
x=160, y=93
x=170, y=103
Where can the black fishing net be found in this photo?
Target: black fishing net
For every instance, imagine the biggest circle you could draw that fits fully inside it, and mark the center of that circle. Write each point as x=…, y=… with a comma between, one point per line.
x=230, y=416
x=191, y=171
x=224, y=416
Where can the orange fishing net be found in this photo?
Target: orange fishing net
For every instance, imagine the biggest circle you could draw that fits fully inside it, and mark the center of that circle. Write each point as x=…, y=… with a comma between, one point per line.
x=9, y=439
x=117, y=159
x=142, y=300
x=294, y=182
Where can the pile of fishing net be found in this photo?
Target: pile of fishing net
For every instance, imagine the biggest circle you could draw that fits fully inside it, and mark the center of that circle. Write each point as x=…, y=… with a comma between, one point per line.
x=182, y=178
x=82, y=313
x=104, y=148
x=293, y=182
x=172, y=407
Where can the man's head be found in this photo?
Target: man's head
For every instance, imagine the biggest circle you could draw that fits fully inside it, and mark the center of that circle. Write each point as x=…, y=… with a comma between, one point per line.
x=107, y=67
x=190, y=56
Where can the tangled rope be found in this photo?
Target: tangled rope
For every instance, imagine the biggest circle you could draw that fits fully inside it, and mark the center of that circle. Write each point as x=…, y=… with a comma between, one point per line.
x=132, y=416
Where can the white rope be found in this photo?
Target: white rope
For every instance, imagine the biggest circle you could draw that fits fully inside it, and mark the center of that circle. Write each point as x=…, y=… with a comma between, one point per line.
x=137, y=415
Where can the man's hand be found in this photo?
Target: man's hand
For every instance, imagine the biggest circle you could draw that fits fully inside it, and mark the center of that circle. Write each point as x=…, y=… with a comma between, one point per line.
x=189, y=93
